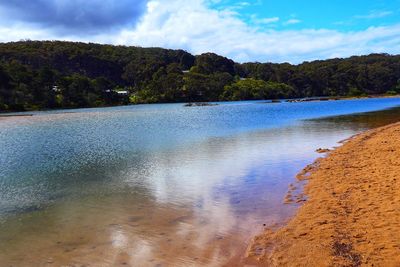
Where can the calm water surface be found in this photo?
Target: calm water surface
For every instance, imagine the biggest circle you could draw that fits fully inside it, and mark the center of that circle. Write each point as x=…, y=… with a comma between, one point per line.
x=160, y=185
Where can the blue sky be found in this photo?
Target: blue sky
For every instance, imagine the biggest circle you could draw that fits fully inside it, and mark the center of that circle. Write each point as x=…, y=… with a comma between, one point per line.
x=259, y=30
x=345, y=15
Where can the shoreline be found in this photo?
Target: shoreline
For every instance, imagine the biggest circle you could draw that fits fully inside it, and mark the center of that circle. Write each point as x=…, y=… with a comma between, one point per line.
x=352, y=213
x=13, y=113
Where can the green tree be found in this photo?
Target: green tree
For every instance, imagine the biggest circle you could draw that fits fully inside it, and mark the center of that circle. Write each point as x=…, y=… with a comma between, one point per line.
x=209, y=63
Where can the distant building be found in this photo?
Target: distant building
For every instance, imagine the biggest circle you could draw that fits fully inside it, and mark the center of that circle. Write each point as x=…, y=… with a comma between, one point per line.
x=185, y=71
x=56, y=89
x=122, y=93
x=118, y=92
x=242, y=78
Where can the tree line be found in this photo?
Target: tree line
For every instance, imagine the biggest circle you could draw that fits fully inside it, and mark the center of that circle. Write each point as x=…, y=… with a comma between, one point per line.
x=38, y=75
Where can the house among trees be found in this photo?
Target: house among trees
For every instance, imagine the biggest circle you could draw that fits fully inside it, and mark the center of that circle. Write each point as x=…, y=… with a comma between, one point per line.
x=122, y=93
x=56, y=89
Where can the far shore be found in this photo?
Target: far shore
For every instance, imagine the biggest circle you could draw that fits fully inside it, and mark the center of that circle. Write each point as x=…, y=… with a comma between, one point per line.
x=352, y=213
x=26, y=113
x=333, y=98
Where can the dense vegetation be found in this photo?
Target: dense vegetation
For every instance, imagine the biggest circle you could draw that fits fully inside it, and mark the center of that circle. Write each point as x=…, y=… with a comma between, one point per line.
x=54, y=74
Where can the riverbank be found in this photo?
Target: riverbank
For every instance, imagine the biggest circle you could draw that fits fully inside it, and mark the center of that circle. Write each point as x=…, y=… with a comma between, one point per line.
x=14, y=113
x=336, y=98
x=352, y=213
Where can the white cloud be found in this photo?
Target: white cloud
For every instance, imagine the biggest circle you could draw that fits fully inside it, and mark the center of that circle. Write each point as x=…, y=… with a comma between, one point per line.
x=193, y=26
x=374, y=15
x=265, y=20
x=244, y=4
x=292, y=21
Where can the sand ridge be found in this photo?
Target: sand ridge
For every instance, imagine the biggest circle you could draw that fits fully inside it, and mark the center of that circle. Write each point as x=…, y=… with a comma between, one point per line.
x=352, y=213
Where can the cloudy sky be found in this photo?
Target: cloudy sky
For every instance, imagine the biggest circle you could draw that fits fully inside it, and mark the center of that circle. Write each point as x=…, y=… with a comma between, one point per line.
x=259, y=30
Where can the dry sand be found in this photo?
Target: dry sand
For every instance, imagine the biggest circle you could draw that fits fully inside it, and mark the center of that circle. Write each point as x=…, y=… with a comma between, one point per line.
x=352, y=213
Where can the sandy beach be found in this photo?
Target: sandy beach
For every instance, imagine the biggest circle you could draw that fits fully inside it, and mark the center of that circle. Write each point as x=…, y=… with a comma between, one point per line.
x=352, y=213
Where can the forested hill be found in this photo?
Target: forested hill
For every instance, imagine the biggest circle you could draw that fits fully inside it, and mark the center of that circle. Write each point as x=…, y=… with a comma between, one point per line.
x=54, y=74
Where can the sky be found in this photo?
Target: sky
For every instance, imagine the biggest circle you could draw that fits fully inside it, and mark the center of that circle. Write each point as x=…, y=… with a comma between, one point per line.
x=261, y=30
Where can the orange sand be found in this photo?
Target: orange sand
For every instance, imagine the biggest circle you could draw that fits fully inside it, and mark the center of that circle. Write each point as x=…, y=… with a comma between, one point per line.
x=352, y=213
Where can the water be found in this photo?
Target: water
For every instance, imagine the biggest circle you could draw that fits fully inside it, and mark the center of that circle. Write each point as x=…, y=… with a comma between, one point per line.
x=160, y=184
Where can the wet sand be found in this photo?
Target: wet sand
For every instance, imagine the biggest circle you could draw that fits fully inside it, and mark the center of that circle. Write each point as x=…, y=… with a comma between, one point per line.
x=352, y=213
